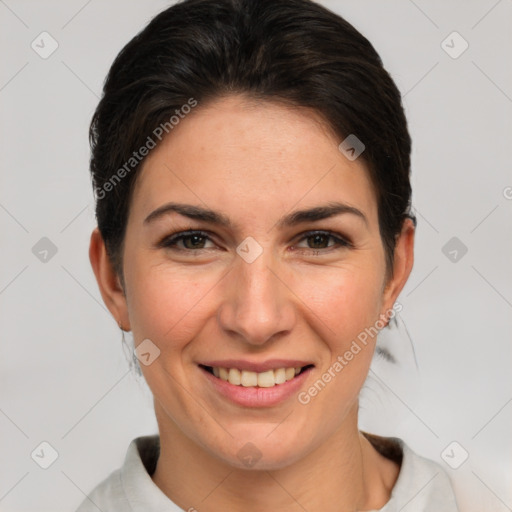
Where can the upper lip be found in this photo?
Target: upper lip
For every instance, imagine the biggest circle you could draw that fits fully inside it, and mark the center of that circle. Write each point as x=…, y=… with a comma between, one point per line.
x=254, y=366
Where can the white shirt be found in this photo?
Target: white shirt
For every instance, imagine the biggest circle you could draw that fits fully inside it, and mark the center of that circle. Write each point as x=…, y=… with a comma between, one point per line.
x=422, y=485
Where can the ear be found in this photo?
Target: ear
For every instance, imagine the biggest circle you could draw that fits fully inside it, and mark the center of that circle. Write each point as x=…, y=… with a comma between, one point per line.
x=402, y=265
x=108, y=281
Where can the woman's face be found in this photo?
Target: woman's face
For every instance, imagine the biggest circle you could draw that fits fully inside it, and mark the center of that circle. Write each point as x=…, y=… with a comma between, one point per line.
x=265, y=289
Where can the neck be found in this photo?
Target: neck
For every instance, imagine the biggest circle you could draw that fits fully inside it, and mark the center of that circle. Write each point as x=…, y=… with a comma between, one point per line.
x=344, y=473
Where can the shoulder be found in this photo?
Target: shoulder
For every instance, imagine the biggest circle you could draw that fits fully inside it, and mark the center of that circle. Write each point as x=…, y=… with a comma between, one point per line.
x=422, y=484
x=106, y=496
x=130, y=488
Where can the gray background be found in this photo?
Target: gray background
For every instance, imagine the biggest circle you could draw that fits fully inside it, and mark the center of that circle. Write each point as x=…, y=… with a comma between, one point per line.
x=64, y=376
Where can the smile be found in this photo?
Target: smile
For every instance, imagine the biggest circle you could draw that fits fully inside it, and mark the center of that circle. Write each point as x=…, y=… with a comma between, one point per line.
x=246, y=378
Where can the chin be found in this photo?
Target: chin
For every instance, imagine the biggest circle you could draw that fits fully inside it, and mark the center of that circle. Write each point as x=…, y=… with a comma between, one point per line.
x=251, y=458
x=262, y=451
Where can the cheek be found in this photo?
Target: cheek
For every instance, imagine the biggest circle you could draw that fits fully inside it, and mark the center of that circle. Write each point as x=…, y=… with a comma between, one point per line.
x=348, y=303
x=167, y=303
x=172, y=303
x=347, y=300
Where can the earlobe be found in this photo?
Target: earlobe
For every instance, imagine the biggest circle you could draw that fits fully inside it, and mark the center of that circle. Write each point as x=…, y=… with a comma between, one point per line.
x=402, y=265
x=108, y=281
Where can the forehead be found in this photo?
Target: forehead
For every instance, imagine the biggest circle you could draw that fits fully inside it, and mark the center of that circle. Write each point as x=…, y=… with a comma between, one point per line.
x=247, y=158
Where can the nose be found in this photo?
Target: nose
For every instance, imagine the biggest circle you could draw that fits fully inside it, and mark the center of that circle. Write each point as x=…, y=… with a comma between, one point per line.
x=258, y=305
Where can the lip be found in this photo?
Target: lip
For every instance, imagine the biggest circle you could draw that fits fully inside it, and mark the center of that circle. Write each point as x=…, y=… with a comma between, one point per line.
x=255, y=397
x=253, y=366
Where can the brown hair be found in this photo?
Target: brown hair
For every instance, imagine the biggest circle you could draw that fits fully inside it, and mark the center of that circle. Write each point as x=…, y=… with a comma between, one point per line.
x=292, y=51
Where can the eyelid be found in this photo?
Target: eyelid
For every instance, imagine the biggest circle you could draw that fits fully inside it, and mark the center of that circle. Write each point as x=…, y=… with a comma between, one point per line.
x=341, y=240
x=179, y=235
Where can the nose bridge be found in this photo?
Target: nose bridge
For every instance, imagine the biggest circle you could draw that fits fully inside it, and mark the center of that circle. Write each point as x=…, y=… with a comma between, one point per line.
x=257, y=305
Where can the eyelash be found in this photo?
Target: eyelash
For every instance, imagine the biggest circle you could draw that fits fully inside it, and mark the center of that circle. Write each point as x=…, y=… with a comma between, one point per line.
x=170, y=242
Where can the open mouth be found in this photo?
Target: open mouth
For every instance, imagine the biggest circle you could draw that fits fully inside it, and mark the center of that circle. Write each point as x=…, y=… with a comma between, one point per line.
x=267, y=379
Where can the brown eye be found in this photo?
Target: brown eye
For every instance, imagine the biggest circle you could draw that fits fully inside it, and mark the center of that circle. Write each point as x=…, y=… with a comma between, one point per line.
x=191, y=240
x=319, y=240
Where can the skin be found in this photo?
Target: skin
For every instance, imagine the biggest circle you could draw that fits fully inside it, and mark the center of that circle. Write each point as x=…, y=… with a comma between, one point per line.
x=256, y=162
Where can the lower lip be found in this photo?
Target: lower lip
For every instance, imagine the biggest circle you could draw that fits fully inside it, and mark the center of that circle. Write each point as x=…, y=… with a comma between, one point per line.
x=255, y=396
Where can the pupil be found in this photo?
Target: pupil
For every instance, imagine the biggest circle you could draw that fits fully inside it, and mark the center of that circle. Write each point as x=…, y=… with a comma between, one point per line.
x=317, y=239
x=194, y=244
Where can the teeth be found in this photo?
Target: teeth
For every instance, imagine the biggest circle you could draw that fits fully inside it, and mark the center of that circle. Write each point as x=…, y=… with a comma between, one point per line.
x=248, y=379
x=289, y=373
x=266, y=379
x=280, y=376
x=234, y=376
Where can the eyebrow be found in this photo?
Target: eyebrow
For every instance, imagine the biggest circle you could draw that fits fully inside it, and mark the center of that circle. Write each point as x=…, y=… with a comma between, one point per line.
x=212, y=217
